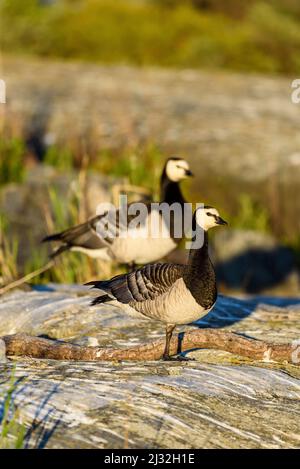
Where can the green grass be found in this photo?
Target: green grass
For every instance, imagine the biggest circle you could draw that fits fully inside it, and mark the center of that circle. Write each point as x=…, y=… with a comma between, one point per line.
x=141, y=166
x=251, y=215
x=61, y=158
x=8, y=253
x=70, y=268
x=11, y=159
x=12, y=431
x=259, y=36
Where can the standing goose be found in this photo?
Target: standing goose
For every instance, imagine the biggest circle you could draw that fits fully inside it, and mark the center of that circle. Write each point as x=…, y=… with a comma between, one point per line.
x=138, y=247
x=171, y=293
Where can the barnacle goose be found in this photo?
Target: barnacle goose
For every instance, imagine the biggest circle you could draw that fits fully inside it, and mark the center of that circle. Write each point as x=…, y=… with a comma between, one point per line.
x=138, y=247
x=171, y=293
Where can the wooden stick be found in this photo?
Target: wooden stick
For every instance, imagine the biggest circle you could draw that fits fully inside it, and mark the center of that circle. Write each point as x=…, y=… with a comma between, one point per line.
x=26, y=278
x=23, y=345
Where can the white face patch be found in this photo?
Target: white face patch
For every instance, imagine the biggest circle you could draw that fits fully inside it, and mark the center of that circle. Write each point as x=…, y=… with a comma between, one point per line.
x=176, y=170
x=205, y=217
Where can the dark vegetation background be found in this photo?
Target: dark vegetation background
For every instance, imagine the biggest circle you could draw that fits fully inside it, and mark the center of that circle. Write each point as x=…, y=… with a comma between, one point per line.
x=250, y=36
x=113, y=87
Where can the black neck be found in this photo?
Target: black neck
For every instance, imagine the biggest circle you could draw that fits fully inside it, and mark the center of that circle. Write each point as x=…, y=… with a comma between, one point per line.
x=170, y=191
x=198, y=256
x=200, y=276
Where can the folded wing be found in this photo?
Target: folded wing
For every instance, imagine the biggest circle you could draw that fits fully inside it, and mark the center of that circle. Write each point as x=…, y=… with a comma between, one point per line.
x=146, y=283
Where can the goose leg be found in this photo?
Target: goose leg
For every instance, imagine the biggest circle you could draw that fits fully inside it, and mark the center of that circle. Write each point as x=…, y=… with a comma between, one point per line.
x=169, y=331
x=166, y=355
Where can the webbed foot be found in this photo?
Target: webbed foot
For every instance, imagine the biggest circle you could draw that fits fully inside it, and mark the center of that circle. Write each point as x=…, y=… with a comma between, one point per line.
x=177, y=358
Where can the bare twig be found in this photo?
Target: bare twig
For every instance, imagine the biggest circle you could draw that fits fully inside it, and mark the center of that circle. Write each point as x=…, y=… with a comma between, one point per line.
x=26, y=278
x=27, y=346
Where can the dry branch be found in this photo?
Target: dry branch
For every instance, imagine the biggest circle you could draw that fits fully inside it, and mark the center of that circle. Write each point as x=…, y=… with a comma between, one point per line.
x=26, y=278
x=24, y=345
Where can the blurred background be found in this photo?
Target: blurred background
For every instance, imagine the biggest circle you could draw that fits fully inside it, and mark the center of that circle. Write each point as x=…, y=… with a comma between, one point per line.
x=101, y=92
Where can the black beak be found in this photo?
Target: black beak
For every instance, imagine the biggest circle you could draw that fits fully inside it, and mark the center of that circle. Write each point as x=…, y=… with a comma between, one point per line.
x=220, y=221
x=188, y=172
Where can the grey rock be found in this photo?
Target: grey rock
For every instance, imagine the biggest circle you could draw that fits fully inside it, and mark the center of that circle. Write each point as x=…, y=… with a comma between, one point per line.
x=218, y=401
x=2, y=351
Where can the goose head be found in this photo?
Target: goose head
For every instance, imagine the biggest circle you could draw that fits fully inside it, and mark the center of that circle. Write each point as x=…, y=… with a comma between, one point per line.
x=207, y=217
x=177, y=169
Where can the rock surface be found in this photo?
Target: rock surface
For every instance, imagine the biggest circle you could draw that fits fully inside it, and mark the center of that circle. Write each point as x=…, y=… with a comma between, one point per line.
x=218, y=401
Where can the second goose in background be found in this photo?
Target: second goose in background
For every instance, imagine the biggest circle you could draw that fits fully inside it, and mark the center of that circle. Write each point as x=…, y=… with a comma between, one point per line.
x=138, y=247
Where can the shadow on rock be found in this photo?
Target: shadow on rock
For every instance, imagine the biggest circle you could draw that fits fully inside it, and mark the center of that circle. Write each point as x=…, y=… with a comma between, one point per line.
x=45, y=419
x=254, y=262
x=256, y=270
x=228, y=311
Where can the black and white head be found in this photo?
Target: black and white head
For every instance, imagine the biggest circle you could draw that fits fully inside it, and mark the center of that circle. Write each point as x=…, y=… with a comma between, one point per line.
x=177, y=169
x=207, y=217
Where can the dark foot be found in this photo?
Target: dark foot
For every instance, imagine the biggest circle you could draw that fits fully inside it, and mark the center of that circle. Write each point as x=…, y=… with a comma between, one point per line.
x=177, y=358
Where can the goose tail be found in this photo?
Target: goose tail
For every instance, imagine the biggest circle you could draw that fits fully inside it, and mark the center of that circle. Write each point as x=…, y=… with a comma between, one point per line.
x=100, y=299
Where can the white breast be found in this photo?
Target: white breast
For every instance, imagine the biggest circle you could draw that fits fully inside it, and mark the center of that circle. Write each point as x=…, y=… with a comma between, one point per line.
x=128, y=310
x=141, y=250
x=177, y=306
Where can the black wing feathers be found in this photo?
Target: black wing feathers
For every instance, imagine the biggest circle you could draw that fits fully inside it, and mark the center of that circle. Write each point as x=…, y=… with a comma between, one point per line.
x=83, y=235
x=96, y=233
x=143, y=284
